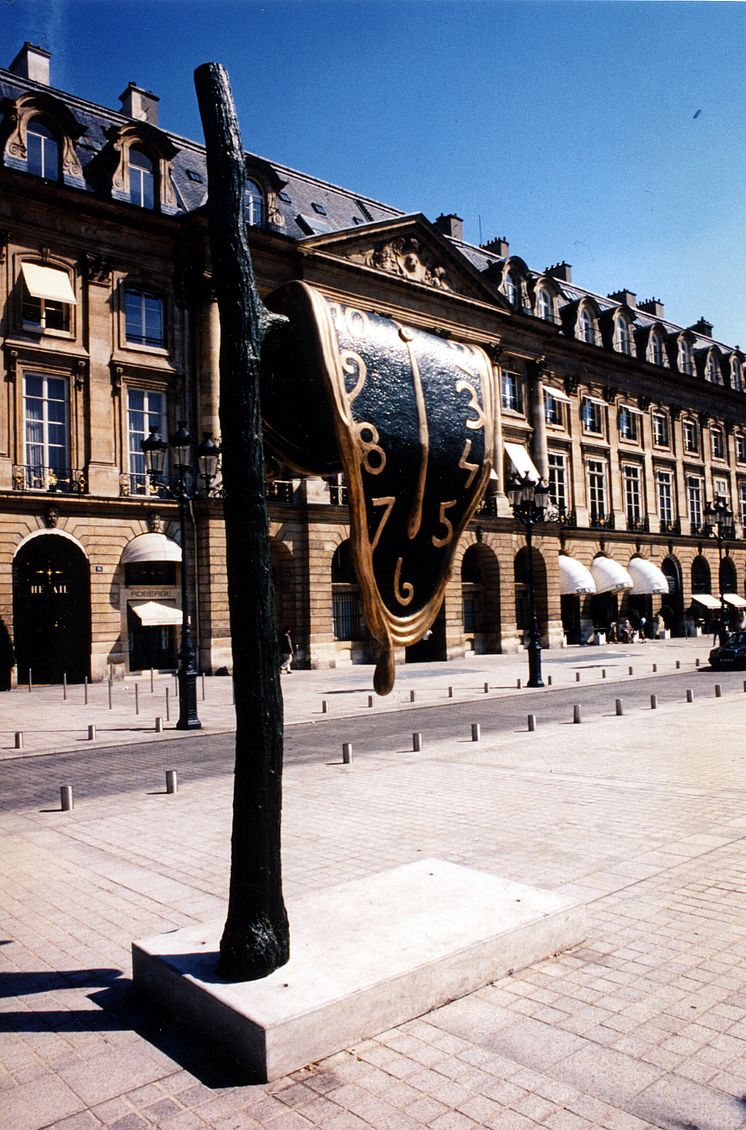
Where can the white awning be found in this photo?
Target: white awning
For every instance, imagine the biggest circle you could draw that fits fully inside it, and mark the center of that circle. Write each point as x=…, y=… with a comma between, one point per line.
x=46, y=282
x=706, y=599
x=156, y=613
x=574, y=577
x=609, y=575
x=631, y=408
x=522, y=461
x=647, y=578
x=151, y=547
x=557, y=394
x=734, y=599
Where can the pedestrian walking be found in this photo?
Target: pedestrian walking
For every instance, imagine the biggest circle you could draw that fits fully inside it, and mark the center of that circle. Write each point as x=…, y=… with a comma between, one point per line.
x=286, y=652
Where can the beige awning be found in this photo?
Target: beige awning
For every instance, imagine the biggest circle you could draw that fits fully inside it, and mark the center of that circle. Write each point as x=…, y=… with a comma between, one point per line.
x=647, y=577
x=47, y=282
x=574, y=577
x=609, y=575
x=557, y=394
x=734, y=600
x=156, y=613
x=522, y=461
x=151, y=547
x=706, y=599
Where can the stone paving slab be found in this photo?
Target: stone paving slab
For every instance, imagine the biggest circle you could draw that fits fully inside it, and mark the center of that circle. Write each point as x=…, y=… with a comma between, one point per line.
x=642, y=1025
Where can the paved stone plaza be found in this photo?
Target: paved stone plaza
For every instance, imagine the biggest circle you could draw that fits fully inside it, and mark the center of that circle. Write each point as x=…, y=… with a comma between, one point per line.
x=641, y=817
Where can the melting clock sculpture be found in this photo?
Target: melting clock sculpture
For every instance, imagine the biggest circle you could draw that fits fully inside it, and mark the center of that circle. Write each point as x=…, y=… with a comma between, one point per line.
x=406, y=414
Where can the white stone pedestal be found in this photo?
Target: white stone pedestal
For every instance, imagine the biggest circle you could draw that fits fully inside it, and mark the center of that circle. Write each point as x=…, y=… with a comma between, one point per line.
x=365, y=956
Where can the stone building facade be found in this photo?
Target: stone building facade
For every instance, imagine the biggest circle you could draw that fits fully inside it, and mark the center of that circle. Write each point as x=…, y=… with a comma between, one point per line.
x=108, y=327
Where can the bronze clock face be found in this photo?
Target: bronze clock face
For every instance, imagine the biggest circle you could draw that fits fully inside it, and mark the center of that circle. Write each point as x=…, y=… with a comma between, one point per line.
x=413, y=415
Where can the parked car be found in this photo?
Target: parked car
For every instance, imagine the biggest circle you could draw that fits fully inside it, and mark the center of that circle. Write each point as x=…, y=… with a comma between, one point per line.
x=730, y=654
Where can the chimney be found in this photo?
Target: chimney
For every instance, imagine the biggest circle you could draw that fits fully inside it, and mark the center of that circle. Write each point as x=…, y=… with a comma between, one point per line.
x=498, y=246
x=561, y=271
x=653, y=306
x=140, y=104
x=451, y=225
x=33, y=63
x=626, y=297
x=702, y=327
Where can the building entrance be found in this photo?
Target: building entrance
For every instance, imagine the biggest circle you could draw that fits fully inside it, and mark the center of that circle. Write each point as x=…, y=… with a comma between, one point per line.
x=51, y=610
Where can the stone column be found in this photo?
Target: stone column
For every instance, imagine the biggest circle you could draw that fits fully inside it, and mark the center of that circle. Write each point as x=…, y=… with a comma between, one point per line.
x=537, y=417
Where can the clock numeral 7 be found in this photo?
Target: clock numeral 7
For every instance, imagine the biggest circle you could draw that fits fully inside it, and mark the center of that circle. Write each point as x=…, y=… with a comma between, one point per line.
x=388, y=501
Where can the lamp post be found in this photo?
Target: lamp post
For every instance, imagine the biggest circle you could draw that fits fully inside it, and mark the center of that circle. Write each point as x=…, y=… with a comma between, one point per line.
x=718, y=521
x=529, y=500
x=183, y=488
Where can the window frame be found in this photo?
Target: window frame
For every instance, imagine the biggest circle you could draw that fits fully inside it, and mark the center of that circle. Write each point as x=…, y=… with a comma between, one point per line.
x=510, y=384
x=695, y=493
x=47, y=466
x=546, y=304
x=590, y=405
x=689, y=427
x=742, y=501
x=666, y=511
x=632, y=430
x=740, y=447
x=255, y=198
x=632, y=486
x=50, y=137
x=137, y=175
x=623, y=336
x=555, y=415
x=137, y=476
x=587, y=326
x=139, y=339
x=596, y=482
x=717, y=443
x=558, y=481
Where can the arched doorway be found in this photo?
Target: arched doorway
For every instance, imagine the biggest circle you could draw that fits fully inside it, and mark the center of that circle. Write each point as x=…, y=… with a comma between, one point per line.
x=432, y=647
x=702, y=586
x=480, y=599
x=521, y=572
x=672, y=605
x=347, y=611
x=728, y=577
x=52, y=610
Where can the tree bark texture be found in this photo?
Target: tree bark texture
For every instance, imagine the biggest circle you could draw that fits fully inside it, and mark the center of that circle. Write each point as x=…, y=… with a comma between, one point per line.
x=255, y=939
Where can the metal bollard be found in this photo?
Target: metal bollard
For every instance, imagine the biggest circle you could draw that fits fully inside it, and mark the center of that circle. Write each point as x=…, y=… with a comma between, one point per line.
x=30, y=680
x=655, y=666
x=476, y=731
x=137, y=699
x=689, y=695
x=168, y=712
x=486, y=688
x=654, y=702
x=19, y=739
x=203, y=686
x=549, y=680
x=91, y=733
x=696, y=662
x=450, y=692
x=630, y=670
x=324, y=706
x=718, y=690
x=619, y=707
x=518, y=684
x=152, y=685
x=411, y=696
x=577, y=676
x=678, y=664
x=370, y=700
x=576, y=713
x=64, y=686
x=347, y=753
x=66, y=798
x=603, y=672
x=417, y=742
x=109, y=689
x=531, y=723
x=85, y=691
x=159, y=725
x=172, y=784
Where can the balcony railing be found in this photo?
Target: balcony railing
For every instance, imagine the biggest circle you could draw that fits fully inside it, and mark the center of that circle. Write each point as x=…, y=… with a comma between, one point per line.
x=698, y=530
x=337, y=494
x=640, y=523
x=51, y=480
x=488, y=507
x=670, y=526
x=601, y=521
x=566, y=517
x=279, y=490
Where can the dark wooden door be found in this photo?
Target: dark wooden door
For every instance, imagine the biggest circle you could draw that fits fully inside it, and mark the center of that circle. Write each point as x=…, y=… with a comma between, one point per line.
x=52, y=610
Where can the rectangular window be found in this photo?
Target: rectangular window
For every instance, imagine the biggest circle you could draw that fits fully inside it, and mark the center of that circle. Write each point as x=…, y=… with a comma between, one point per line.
x=511, y=393
x=628, y=424
x=664, y=481
x=632, y=494
x=591, y=412
x=694, y=499
x=660, y=430
x=558, y=481
x=596, y=472
x=742, y=502
x=46, y=432
x=47, y=296
x=721, y=490
x=717, y=443
x=145, y=410
x=740, y=447
x=691, y=437
x=143, y=317
x=554, y=411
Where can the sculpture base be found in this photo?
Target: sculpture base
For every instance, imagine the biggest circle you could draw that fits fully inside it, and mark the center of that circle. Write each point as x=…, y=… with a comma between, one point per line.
x=365, y=956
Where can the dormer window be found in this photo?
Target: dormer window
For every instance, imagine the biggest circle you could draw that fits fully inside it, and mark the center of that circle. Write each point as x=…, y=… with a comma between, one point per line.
x=686, y=363
x=254, y=205
x=546, y=305
x=141, y=179
x=43, y=151
x=623, y=336
x=736, y=375
x=657, y=349
x=712, y=373
x=512, y=288
x=587, y=327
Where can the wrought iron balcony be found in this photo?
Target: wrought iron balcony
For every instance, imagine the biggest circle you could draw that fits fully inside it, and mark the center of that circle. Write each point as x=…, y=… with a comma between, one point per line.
x=698, y=530
x=670, y=526
x=51, y=480
x=337, y=494
x=640, y=524
x=601, y=521
x=566, y=517
x=488, y=506
x=279, y=490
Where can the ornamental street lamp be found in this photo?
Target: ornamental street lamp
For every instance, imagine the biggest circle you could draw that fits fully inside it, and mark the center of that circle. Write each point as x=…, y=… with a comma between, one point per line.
x=183, y=488
x=530, y=502
x=718, y=518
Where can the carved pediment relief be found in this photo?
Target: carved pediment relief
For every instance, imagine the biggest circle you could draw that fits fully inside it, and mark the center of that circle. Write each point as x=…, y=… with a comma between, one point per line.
x=407, y=257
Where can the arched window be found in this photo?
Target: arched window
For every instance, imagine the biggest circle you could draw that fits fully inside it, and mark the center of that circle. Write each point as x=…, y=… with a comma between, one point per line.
x=736, y=374
x=623, y=336
x=513, y=288
x=657, y=348
x=141, y=179
x=254, y=205
x=546, y=305
x=472, y=591
x=713, y=372
x=686, y=363
x=587, y=326
x=43, y=151
x=347, y=615
x=700, y=576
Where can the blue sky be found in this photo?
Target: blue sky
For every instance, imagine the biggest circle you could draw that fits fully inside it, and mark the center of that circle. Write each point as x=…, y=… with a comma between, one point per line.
x=609, y=134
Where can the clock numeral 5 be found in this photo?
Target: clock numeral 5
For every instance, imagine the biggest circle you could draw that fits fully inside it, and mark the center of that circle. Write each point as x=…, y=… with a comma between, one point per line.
x=445, y=521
